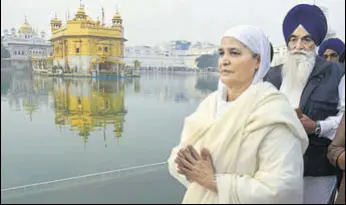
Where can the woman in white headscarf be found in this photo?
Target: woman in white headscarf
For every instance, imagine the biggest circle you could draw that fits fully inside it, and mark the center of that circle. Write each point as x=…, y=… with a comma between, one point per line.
x=244, y=143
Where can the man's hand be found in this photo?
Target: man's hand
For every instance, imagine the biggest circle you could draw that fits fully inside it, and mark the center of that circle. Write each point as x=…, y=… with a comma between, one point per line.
x=308, y=124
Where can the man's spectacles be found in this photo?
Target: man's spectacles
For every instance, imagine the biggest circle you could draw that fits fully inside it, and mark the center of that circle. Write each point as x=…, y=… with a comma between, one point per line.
x=332, y=55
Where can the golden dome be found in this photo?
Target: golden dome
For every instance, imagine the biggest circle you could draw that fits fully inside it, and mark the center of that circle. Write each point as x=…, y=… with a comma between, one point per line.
x=116, y=16
x=55, y=20
x=25, y=28
x=80, y=11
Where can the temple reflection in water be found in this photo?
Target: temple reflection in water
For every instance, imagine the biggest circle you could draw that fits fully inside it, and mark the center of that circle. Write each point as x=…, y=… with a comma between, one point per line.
x=87, y=104
x=83, y=105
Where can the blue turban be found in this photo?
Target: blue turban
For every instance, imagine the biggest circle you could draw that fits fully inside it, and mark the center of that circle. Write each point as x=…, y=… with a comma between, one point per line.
x=311, y=17
x=334, y=44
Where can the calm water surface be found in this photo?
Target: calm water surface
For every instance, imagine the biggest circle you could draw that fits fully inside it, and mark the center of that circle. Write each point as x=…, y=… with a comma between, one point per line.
x=55, y=128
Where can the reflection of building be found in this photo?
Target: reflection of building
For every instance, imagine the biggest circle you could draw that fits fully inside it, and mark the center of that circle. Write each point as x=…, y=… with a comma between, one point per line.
x=23, y=93
x=177, y=88
x=85, y=105
x=137, y=85
x=26, y=42
x=84, y=44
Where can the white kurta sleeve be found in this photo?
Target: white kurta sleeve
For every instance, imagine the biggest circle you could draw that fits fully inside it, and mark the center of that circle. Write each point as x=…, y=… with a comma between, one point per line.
x=330, y=125
x=279, y=177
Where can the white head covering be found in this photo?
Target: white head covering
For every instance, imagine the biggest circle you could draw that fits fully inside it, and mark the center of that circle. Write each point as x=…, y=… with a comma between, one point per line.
x=255, y=39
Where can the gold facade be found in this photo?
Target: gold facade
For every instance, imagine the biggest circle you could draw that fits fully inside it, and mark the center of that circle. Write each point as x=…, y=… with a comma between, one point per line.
x=101, y=45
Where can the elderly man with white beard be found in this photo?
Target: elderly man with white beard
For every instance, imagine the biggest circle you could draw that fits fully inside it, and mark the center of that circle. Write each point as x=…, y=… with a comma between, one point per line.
x=317, y=88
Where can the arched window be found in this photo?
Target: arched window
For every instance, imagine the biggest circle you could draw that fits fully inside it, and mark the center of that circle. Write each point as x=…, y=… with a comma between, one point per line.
x=105, y=49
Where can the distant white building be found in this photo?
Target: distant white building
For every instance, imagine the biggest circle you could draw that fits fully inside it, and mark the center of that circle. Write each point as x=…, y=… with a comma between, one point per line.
x=26, y=42
x=151, y=57
x=172, y=54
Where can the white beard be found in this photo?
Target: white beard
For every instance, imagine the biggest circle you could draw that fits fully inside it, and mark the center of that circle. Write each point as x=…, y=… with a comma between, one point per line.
x=295, y=73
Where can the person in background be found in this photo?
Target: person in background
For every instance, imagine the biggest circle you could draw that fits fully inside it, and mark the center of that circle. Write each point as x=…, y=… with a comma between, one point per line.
x=336, y=156
x=331, y=49
x=244, y=144
x=317, y=88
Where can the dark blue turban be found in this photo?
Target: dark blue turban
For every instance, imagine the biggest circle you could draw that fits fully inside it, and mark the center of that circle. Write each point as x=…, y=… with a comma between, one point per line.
x=311, y=17
x=334, y=44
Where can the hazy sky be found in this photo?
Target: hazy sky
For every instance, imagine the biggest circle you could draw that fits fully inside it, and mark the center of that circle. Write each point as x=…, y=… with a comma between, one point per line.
x=148, y=22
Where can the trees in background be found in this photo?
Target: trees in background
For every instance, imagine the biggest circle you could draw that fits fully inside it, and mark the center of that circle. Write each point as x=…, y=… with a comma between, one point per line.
x=207, y=61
